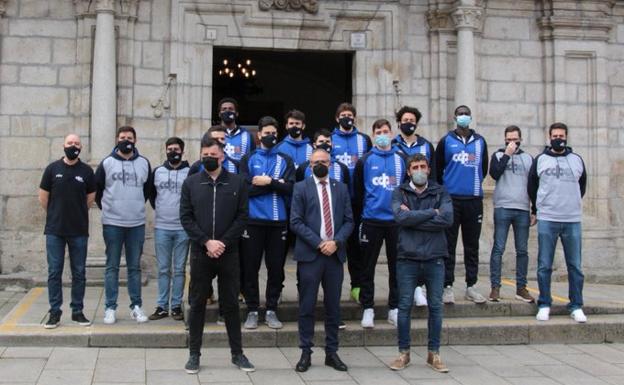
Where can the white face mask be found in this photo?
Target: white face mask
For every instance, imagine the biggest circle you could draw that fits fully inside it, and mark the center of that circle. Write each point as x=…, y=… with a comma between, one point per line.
x=419, y=178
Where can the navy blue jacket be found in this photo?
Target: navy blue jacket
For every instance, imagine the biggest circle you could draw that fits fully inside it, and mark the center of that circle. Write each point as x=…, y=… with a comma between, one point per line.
x=421, y=146
x=421, y=230
x=305, y=219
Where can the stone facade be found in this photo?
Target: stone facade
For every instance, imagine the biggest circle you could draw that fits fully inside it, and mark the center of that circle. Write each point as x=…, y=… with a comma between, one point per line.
x=521, y=62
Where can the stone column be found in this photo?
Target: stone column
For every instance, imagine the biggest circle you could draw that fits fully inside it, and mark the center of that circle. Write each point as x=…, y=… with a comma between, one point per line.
x=467, y=19
x=104, y=91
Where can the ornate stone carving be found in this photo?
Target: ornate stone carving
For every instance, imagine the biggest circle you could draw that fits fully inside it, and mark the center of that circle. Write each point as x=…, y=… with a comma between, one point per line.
x=468, y=17
x=105, y=6
x=438, y=20
x=2, y=7
x=310, y=6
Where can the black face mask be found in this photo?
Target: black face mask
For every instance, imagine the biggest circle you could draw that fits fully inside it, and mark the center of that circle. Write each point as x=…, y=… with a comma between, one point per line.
x=125, y=146
x=517, y=144
x=210, y=163
x=294, y=132
x=228, y=117
x=325, y=146
x=320, y=170
x=174, y=157
x=269, y=141
x=71, y=152
x=558, y=144
x=346, y=122
x=407, y=128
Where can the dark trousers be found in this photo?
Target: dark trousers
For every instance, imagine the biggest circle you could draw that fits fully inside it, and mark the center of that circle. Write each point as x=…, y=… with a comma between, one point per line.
x=354, y=258
x=467, y=213
x=371, y=238
x=269, y=241
x=328, y=272
x=77, y=249
x=203, y=270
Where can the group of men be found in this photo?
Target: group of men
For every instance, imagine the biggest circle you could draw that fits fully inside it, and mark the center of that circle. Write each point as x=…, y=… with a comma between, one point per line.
x=342, y=195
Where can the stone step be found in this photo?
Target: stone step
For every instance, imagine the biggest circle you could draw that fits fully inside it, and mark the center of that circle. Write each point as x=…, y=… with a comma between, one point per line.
x=288, y=311
x=456, y=331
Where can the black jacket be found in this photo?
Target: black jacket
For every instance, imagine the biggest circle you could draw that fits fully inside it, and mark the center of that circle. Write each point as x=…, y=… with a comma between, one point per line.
x=214, y=209
x=421, y=230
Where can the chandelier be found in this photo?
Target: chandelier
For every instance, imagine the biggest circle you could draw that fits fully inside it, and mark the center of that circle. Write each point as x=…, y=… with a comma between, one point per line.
x=241, y=69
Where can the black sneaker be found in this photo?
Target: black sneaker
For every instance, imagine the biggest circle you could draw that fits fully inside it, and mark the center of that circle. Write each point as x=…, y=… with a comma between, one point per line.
x=192, y=365
x=159, y=313
x=53, y=321
x=243, y=363
x=177, y=314
x=81, y=319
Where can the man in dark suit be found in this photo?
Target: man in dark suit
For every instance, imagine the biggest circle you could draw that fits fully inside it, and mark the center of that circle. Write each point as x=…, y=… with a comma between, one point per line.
x=322, y=219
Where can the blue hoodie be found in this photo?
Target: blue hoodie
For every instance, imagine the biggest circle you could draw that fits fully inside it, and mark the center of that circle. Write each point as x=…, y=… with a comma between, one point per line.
x=462, y=164
x=376, y=176
x=239, y=144
x=268, y=203
x=348, y=147
x=298, y=150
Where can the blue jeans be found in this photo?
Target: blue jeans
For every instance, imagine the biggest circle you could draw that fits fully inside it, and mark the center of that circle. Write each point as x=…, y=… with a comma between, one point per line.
x=171, y=244
x=131, y=238
x=409, y=274
x=55, y=248
x=570, y=234
x=520, y=220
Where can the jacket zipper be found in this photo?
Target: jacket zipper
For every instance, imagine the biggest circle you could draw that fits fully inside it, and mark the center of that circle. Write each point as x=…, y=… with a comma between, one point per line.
x=214, y=208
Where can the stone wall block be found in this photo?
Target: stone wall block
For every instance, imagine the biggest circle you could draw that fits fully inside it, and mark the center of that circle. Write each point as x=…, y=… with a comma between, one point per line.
x=502, y=92
x=12, y=150
x=506, y=28
x=24, y=213
x=33, y=100
x=8, y=74
x=27, y=126
x=43, y=27
x=64, y=51
x=38, y=75
x=26, y=50
x=152, y=55
x=20, y=182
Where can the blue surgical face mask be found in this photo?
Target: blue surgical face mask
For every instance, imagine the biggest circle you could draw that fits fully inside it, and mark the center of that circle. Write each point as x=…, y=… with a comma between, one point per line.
x=382, y=140
x=463, y=120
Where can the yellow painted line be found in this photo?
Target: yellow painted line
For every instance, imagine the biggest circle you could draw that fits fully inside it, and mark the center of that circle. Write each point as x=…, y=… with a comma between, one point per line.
x=511, y=282
x=21, y=309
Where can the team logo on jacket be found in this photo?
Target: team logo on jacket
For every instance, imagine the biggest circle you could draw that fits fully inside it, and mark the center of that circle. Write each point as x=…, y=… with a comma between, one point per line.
x=79, y=178
x=168, y=185
x=347, y=159
x=231, y=150
x=125, y=176
x=465, y=158
x=386, y=181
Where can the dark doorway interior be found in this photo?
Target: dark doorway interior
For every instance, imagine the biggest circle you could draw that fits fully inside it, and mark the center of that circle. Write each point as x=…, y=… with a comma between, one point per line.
x=314, y=82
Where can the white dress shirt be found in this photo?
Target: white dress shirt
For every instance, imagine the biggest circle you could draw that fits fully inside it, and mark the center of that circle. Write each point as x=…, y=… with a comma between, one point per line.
x=319, y=191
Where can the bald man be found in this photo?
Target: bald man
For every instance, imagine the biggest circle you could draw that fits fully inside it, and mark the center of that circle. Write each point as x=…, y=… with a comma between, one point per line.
x=66, y=192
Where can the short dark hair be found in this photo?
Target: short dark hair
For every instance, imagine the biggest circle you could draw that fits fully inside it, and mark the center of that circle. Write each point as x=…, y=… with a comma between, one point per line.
x=211, y=142
x=380, y=123
x=408, y=110
x=294, y=114
x=227, y=100
x=345, y=107
x=513, y=128
x=127, y=129
x=417, y=158
x=267, y=121
x=558, y=126
x=216, y=128
x=175, y=140
x=322, y=132
x=462, y=106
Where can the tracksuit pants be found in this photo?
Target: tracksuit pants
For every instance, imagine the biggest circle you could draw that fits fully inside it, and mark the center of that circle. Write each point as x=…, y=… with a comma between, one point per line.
x=269, y=241
x=467, y=213
x=372, y=235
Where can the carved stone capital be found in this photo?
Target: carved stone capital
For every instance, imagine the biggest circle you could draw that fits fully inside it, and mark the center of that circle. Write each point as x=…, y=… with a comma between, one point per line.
x=439, y=20
x=2, y=7
x=129, y=8
x=310, y=6
x=468, y=18
x=105, y=6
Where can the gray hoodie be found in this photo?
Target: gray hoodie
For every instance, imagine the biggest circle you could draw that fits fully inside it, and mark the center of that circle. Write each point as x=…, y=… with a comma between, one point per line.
x=511, y=174
x=123, y=186
x=165, y=196
x=556, y=185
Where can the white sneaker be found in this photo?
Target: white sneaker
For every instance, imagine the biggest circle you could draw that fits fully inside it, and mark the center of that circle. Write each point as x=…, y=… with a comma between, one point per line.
x=109, y=316
x=543, y=314
x=393, y=317
x=579, y=316
x=368, y=318
x=473, y=295
x=447, y=296
x=137, y=314
x=419, y=297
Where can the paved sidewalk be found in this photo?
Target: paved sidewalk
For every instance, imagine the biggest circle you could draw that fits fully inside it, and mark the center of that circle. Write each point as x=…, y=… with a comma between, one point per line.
x=478, y=365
